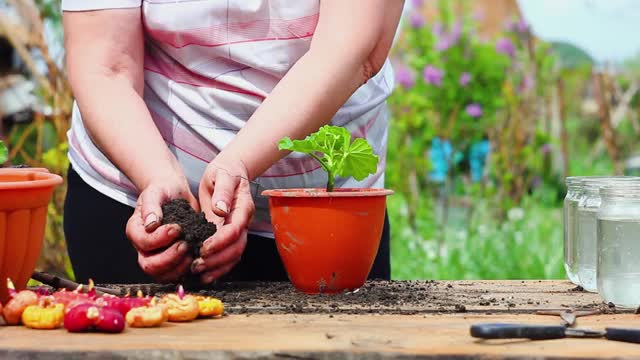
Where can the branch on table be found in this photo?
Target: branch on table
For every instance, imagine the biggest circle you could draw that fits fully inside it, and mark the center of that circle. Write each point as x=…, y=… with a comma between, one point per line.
x=61, y=283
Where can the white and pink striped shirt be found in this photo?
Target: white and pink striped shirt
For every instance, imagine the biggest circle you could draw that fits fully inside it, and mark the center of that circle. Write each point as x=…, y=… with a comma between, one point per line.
x=208, y=66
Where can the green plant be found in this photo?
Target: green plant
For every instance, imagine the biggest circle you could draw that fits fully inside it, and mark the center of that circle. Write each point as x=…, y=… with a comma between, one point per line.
x=339, y=156
x=42, y=142
x=3, y=153
x=522, y=246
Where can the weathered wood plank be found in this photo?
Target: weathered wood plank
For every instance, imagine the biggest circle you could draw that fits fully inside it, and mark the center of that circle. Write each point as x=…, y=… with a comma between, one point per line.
x=318, y=336
x=383, y=319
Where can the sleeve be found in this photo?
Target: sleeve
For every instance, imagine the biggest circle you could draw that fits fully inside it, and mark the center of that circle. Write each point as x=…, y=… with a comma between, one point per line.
x=85, y=5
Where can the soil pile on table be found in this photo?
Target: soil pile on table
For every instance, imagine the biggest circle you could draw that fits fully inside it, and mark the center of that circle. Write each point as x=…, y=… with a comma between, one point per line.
x=195, y=227
x=390, y=297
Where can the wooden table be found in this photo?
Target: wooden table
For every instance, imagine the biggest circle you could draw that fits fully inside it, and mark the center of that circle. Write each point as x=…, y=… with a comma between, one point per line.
x=425, y=319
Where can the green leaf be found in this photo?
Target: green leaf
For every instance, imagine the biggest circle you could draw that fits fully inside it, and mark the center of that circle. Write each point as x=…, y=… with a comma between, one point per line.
x=359, y=161
x=332, y=147
x=306, y=146
x=3, y=153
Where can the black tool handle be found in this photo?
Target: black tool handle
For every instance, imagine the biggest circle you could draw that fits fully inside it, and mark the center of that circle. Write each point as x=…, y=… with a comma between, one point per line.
x=626, y=335
x=517, y=331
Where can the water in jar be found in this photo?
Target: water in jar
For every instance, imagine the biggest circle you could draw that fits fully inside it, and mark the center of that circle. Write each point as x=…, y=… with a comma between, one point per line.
x=586, y=252
x=570, y=228
x=619, y=262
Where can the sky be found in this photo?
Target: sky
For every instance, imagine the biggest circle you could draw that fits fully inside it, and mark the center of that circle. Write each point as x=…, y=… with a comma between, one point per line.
x=609, y=30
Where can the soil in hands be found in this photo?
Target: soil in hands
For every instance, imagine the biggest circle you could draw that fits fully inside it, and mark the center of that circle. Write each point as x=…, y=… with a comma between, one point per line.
x=195, y=228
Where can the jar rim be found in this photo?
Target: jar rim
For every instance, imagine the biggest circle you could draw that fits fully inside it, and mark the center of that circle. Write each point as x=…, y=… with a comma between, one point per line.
x=594, y=183
x=583, y=180
x=631, y=190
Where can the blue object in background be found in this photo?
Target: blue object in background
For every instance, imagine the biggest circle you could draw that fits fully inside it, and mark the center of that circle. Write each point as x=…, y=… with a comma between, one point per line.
x=478, y=159
x=440, y=155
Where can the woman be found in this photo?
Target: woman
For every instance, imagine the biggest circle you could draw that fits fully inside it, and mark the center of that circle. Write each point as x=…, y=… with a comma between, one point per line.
x=186, y=98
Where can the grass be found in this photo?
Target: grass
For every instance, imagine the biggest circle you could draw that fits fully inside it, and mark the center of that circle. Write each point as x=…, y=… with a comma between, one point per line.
x=527, y=245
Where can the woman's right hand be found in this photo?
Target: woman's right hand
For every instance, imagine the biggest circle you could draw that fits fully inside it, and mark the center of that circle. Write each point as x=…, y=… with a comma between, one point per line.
x=159, y=255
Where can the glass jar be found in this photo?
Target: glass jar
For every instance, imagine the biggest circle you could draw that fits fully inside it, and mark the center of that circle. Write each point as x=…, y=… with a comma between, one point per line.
x=571, y=200
x=586, y=258
x=618, y=269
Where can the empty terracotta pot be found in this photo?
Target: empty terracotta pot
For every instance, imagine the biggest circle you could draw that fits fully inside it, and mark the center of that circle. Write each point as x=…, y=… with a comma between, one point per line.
x=327, y=241
x=24, y=198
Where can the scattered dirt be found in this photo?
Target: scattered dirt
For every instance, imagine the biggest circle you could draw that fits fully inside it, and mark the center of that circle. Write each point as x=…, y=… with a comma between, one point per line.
x=195, y=227
x=385, y=297
x=577, y=289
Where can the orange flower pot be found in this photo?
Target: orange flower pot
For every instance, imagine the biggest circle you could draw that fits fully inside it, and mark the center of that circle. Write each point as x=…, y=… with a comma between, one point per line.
x=327, y=241
x=24, y=198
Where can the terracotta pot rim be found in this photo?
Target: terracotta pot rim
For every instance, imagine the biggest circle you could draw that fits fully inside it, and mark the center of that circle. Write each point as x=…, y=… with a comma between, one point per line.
x=38, y=178
x=322, y=193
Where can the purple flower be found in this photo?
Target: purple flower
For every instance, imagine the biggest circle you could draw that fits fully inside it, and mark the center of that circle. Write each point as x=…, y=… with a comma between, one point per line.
x=505, y=46
x=536, y=181
x=444, y=43
x=522, y=26
x=527, y=83
x=456, y=31
x=477, y=15
x=447, y=40
x=405, y=76
x=432, y=75
x=417, y=3
x=438, y=29
x=474, y=110
x=465, y=78
x=545, y=148
x=518, y=26
x=416, y=20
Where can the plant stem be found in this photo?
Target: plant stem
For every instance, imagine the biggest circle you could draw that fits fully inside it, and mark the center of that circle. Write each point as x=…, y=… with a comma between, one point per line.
x=332, y=178
x=331, y=181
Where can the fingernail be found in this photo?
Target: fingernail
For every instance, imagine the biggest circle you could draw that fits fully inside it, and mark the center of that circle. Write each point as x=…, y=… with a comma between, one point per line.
x=207, y=278
x=197, y=266
x=150, y=220
x=182, y=247
x=173, y=231
x=222, y=206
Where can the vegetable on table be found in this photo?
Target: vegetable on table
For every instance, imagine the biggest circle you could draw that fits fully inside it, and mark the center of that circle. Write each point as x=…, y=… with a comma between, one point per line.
x=47, y=314
x=77, y=296
x=209, y=306
x=124, y=304
x=91, y=317
x=79, y=311
x=181, y=307
x=151, y=315
x=338, y=155
x=13, y=310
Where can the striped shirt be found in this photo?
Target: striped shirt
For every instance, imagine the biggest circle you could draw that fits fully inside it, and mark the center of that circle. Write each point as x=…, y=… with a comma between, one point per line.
x=208, y=65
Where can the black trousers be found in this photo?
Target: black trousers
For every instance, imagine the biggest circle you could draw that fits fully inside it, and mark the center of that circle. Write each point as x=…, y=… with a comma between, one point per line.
x=94, y=227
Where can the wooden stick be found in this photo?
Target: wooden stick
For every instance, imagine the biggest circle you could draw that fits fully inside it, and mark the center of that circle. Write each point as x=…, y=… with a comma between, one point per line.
x=564, y=137
x=61, y=283
x=605, y=121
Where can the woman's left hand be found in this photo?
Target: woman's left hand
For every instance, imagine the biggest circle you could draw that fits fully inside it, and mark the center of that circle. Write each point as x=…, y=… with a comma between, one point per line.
x=225, y=198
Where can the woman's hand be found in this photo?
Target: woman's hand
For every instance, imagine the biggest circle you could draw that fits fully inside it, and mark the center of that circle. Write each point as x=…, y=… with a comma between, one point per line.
x=225, y=198
x=159, y=255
